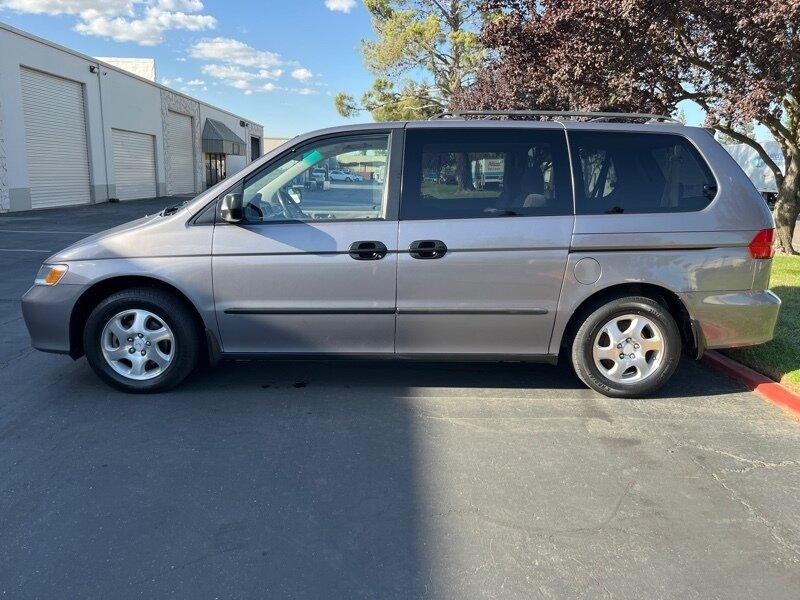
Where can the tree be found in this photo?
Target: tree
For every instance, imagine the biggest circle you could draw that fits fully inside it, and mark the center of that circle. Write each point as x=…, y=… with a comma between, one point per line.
x=740, y=61
x=435, y=38
x=747, y=129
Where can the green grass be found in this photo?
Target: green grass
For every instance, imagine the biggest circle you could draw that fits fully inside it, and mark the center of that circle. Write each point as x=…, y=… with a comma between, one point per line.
x=444, y=190
x=780, y=358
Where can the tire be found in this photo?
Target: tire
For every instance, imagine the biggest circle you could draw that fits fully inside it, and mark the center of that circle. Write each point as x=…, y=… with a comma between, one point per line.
x=645, y=369
x=175, y=347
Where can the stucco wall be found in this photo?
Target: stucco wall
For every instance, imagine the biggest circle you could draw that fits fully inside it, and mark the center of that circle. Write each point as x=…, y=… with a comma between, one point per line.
x=171, y=101
x=234, y=163
x=132, y=106
x=114, y=99
x=17, y=52
x=4, y=205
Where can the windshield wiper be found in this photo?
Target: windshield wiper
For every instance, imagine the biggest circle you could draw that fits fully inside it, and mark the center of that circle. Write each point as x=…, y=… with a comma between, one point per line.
x=171, y=210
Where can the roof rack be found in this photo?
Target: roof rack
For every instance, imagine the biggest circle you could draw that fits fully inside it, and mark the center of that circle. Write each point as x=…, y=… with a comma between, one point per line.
x=592, y=116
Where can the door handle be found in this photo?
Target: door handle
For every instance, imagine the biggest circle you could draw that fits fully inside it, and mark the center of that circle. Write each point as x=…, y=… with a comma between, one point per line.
x=427, y=249
x=367, y=250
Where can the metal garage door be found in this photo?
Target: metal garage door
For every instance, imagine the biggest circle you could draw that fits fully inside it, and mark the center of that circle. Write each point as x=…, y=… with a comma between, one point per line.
x=55, y=140
x=134, y=164
x=180, y=154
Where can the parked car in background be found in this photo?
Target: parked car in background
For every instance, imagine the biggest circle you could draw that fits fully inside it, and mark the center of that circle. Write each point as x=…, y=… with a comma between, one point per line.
x=318, y=177
x=614, y=245
x=341, y=176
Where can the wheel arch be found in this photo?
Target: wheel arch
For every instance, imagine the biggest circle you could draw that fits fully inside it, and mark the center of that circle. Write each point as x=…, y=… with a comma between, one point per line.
x=666, y=297
x=102, y=289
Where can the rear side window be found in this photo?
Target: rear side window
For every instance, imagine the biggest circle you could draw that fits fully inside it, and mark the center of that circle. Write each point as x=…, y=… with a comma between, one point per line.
x=617, y=172
x=474, y=173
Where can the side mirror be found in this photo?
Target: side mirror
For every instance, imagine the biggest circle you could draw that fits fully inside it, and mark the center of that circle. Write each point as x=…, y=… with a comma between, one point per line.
x=231, y=208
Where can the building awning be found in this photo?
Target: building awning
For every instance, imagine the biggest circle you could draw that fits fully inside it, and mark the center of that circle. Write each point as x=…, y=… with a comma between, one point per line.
x=219, y=139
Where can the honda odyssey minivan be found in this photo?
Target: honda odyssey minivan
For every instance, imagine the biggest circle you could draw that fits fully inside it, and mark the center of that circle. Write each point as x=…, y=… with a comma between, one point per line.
x=616, y=243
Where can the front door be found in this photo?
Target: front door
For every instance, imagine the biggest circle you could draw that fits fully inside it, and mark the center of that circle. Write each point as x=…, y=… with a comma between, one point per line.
x=486, y=221
x=312, y=269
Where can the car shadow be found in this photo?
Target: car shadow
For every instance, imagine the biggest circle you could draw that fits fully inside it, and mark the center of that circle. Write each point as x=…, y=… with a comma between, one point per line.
x=690, y=379
x=307, y=479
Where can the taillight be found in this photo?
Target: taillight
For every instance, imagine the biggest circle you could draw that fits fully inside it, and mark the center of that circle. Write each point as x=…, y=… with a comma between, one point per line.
x=761, y=246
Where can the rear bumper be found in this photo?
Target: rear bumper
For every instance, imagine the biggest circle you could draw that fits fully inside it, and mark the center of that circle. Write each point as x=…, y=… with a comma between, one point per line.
x=733, y=319
x=47, y=312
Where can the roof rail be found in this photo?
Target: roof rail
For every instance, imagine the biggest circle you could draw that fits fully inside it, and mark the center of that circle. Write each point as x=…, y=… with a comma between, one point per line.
x=593, y=116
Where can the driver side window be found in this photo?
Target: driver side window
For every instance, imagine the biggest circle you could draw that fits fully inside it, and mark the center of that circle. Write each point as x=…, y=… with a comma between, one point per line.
x=333, y=179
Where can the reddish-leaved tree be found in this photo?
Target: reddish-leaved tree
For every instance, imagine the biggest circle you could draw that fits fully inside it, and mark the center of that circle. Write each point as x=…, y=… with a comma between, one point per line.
x=739, y=60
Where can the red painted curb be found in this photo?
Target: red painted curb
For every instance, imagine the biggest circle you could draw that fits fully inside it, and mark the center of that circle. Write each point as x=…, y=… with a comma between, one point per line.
x=760, y=384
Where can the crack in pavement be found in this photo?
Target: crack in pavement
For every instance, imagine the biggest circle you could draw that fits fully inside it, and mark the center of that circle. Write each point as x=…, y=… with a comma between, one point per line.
x=772, y=528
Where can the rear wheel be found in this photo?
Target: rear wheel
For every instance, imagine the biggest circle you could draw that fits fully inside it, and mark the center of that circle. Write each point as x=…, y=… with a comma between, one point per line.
x=627, y=348
x=142, y=340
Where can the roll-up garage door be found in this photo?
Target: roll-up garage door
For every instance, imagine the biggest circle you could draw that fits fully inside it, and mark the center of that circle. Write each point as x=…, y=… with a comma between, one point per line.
x=134, y=164
x=55, y=140
x=180, y=154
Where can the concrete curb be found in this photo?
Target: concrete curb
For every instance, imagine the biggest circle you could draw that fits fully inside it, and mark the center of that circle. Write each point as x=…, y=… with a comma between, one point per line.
x=760, y=384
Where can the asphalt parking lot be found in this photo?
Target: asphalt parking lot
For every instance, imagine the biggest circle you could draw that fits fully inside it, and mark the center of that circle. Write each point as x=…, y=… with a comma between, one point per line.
x=378, y=480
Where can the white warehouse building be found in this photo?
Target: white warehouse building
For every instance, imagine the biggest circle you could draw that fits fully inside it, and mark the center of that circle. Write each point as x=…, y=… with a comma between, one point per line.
x=78, y=130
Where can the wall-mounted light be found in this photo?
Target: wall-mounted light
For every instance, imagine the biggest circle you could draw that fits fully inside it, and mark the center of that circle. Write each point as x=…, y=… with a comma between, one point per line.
x=93, y=69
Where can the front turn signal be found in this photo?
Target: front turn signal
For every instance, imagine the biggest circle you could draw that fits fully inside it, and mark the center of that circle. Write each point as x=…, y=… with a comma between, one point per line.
x=50, y=274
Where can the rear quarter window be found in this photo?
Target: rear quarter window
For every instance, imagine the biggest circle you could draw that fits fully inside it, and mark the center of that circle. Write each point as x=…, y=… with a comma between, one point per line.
x=630, y=173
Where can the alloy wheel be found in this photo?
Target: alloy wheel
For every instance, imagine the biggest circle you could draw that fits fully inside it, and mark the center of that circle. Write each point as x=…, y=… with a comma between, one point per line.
x=629, y=348
x=138, y=344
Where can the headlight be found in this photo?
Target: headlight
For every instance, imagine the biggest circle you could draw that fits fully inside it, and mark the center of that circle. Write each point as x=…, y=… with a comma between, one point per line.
x=50, y=274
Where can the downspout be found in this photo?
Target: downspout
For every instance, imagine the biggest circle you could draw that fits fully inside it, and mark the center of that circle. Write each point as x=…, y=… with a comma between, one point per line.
x=103, y=129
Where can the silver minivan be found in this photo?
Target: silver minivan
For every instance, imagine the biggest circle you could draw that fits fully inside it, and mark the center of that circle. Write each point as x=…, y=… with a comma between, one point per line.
x=617, y=243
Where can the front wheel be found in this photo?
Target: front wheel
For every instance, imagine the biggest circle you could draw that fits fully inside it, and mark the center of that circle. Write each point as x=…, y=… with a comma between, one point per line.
x=627, y=348
x=141, y=340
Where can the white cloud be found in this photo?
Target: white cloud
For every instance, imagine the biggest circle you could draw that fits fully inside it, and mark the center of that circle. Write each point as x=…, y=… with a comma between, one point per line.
x=234, y=52
x=241, y=79
x=302, y=74
x=181, y=59
x=245, y=68
x=146, y=31
x=188, y=5
x=141, y=21
x=70, y=7
x=228, y=73
x=270, y=73
x=344, y=6
x=304, y=91
x=195, y=82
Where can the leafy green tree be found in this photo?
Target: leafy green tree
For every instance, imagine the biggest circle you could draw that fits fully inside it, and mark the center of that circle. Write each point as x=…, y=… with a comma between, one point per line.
x=739, y=60
x=425, y=53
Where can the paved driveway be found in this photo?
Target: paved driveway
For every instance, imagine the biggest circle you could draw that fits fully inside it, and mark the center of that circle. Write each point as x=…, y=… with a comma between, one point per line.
x=378, y=480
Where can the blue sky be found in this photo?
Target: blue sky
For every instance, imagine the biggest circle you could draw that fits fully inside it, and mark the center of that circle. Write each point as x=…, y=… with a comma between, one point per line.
x=278, y=62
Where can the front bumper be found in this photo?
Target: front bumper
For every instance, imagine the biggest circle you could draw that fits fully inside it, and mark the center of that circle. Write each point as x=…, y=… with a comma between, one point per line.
x=47, y=312
x=734, y=319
